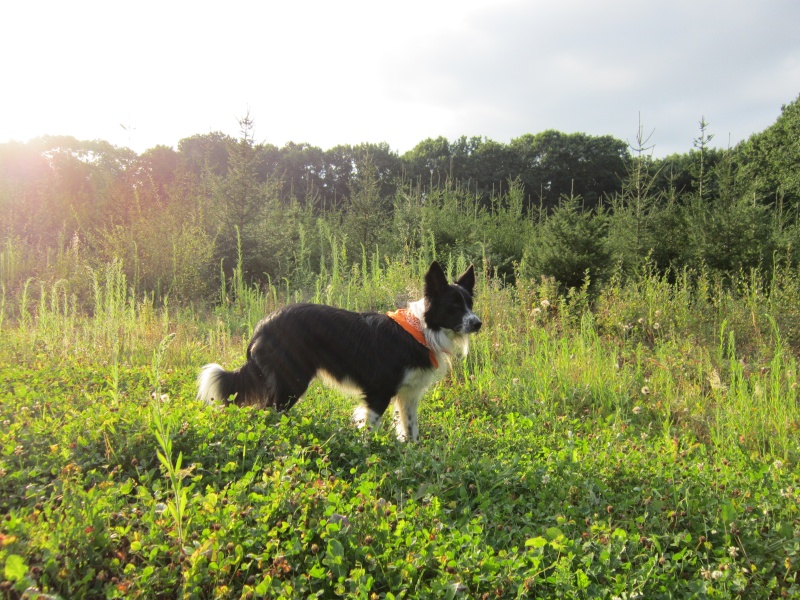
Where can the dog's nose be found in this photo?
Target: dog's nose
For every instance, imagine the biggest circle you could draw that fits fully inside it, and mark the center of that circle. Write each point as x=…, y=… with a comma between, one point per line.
x=476, y=324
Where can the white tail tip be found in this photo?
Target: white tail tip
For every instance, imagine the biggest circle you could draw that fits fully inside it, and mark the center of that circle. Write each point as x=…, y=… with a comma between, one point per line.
x=208, y=383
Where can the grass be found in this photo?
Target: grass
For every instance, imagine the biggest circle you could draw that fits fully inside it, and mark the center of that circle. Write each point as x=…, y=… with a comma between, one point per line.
x=641, y=445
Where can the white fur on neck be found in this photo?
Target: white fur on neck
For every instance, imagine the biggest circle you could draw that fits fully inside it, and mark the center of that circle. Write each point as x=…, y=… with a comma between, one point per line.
x=443, y=342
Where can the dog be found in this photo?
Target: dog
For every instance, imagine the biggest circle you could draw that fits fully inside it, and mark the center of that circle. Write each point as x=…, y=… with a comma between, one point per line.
x=380, y=357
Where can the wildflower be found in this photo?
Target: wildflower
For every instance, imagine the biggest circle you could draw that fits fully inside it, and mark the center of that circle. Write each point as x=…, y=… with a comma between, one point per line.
x=778, y=465
x=545, y=303
x=18, y=451
x=716, y=574
x=733, y=552
x=515, y=381
x=715, y=381
x=637, y=410
x=536, y=311
x=705, y=572
x=657, y=313
x=640, y=320
x=656, y=326
x=645, y=390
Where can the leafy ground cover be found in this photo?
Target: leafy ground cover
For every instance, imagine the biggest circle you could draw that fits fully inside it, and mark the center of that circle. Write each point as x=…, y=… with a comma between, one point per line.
x=616, y=452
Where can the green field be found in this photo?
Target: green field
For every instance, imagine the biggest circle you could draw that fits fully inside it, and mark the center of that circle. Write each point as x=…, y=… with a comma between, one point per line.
x=643, y=443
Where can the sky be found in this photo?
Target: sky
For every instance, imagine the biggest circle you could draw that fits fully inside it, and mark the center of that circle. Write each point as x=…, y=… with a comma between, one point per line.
x=330, y=72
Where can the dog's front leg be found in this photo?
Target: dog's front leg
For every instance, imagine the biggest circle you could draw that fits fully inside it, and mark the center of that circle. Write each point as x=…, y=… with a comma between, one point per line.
x=406, y=423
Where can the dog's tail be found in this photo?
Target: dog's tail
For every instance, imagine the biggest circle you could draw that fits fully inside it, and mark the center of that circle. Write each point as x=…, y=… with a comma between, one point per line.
x=215, y=384
x=247, y=385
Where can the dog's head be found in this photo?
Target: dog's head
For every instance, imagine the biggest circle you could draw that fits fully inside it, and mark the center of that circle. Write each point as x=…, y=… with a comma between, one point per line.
x=449, y=306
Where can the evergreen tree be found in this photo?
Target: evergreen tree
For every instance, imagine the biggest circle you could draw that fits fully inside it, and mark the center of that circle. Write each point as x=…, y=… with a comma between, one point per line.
x=367, y=211
x=570, y=244
x=727, y=230
x=771, y=160
x=243, y=203
x=632, y=226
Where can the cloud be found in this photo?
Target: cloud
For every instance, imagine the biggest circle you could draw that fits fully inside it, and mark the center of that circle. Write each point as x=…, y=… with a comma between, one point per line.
x=587, y=66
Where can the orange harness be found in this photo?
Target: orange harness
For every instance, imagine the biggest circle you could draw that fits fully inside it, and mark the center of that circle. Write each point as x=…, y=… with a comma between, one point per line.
x=411, y=324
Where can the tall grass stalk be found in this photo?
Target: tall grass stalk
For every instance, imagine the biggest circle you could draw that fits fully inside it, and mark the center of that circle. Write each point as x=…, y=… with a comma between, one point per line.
x=9, y=263
x=162, y=429
x=2, y=305
x=758, y=409
x=24, y=301
x=247, y=303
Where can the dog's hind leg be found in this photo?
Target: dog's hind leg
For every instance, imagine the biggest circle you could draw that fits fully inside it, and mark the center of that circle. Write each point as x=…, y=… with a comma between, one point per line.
x=372, y=409
x=364, y=416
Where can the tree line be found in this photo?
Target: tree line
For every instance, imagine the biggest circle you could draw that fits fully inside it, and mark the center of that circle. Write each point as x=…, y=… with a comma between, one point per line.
x=572, y=206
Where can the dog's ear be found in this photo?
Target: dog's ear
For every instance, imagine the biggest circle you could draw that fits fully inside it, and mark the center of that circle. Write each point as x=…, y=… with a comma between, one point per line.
x=467, y=279
x=435, y=280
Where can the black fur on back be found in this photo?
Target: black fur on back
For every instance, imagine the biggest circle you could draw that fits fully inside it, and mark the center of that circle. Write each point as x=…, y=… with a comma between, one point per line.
x=367, y=350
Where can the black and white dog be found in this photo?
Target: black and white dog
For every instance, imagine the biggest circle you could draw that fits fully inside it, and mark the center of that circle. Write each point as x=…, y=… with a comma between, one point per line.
x=381, y=357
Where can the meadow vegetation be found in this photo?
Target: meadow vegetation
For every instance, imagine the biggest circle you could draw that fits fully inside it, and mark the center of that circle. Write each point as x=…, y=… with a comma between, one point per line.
x=625, y=425
x=647, y=446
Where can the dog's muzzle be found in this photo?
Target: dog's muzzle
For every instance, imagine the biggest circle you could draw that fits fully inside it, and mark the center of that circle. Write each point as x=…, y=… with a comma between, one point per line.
x=471, y=324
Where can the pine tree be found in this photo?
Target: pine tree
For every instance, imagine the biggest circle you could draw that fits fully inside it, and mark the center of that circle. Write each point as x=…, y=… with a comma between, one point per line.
x=367, y=211
x=243, y=202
